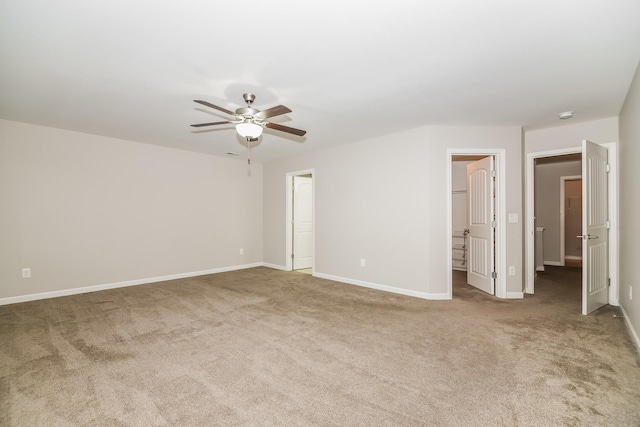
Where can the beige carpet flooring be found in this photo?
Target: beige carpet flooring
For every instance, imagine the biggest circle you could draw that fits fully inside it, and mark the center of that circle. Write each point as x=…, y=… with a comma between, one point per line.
x=262, y=347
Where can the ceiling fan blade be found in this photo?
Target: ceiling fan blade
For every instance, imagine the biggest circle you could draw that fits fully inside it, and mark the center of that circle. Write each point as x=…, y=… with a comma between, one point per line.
x=211, y=124
x=208, y=104
x=272, y=112
x=287, y=129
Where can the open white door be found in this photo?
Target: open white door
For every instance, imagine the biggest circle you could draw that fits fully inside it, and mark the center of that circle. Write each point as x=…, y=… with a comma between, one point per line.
x=481, y=220
x=302, y=222
x=595, y=227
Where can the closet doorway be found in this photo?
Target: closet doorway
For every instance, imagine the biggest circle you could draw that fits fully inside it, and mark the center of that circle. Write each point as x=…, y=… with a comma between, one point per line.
x=476, y=221
x=300, y=221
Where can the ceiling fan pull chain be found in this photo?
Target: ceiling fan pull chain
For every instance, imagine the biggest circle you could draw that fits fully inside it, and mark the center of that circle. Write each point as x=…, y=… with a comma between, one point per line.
x=249, y=152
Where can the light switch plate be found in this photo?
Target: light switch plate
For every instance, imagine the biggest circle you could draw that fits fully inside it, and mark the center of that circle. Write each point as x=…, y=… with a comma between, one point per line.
x=513, y=217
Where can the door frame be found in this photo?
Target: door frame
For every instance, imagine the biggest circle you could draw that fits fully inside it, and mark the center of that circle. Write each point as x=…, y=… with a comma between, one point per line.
x=289, y=216
x=530, y=273
x=563, y=213
x=500, y=210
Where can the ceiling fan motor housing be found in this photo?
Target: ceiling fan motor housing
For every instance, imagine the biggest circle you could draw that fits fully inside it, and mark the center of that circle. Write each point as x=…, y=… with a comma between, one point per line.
x=248, y=98
x=246, y=111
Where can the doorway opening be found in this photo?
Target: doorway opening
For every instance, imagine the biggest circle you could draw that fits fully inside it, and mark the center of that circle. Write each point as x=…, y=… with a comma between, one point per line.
x=476, y=220
x=472, y=269
x=537, y=234
x=558, y=219
x=555, y=242
x=300, y=221
x=571, y=220
x=557, y=192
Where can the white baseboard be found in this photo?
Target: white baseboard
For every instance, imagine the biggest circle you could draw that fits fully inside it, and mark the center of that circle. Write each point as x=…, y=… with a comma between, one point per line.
x=274, y=266
x=95, y=288
x=634, y=333
x=87, y=289
x=514, y=295
x=540, y=268
x=573, y=257
x=423, y=295
x=556, y=263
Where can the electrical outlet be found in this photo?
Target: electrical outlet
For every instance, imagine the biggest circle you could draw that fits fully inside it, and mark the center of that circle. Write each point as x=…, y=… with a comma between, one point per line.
x=363, y=262
x=512, y=270
x=241, y=251
x=26, y=273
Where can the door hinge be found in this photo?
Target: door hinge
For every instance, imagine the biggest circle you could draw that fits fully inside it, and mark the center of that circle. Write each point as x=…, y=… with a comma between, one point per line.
x=291, y=256
x=494, y=275
x=493, y=173
x=608, y=167
x=608, y=281
x=493, y=224
x=607, y=224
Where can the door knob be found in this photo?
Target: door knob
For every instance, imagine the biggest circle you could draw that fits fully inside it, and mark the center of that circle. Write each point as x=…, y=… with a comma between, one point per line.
x=587, y=237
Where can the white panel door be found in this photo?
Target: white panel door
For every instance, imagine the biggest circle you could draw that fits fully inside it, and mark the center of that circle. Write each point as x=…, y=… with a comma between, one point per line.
x=302, y=222
x=480, y=215
x=595, y=227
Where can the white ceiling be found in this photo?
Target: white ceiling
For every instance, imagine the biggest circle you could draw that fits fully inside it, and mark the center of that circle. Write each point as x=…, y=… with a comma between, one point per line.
x=349, y=69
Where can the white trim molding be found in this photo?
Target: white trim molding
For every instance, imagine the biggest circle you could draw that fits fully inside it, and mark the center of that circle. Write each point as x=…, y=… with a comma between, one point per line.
x=554, y=263
x=614, y=231
x=632, y=332
x=95, y=288
x=275, y=266
x=514, y=295
x=385, y=288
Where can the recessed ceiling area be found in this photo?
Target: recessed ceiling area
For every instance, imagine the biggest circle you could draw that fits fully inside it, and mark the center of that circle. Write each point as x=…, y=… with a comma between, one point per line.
x=348, y=70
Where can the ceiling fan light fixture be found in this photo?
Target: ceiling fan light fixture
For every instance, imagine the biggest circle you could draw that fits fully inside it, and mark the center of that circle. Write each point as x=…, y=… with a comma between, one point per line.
x=249, y=130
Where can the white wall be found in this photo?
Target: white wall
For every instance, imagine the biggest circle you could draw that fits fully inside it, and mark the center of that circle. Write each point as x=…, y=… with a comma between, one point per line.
x=570, y=135
x=384, y=200
x=629, y=173
x=548, y=204
x=83, y=210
